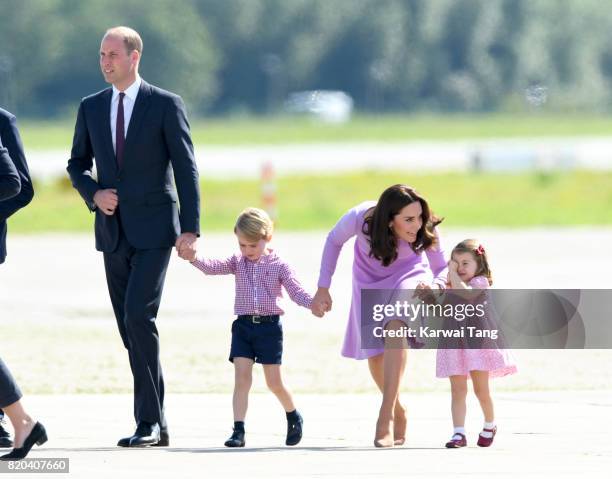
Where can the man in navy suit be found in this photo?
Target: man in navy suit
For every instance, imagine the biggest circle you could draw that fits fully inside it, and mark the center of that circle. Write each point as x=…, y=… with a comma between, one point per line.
x=138, y=136
x=16, y=192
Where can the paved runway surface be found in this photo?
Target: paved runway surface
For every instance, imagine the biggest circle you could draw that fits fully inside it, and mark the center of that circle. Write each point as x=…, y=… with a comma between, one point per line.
x=562, y=432
x=551, y=435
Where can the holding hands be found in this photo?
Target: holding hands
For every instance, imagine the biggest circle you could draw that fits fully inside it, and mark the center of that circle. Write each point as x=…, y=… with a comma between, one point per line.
x=186, y=246
x=424, y=292
x=321, y=302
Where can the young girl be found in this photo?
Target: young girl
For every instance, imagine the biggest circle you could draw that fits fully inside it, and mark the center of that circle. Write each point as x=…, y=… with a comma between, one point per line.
x=257, y=333
x=469, y=269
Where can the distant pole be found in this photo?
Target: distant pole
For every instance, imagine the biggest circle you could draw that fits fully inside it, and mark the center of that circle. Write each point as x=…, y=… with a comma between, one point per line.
x=268, y=190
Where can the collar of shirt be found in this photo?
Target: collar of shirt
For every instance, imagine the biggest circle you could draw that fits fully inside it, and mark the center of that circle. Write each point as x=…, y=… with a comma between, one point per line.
x=263, y=259
x=131, y=92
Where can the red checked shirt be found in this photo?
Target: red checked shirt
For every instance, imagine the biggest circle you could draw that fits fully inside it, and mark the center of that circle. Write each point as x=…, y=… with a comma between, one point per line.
x=258, y=284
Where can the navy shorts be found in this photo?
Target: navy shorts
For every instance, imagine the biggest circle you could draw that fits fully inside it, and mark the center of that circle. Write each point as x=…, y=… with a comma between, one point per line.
x=261, y=342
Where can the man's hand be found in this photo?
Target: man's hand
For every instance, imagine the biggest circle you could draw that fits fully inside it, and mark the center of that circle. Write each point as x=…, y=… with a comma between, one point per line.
x=186, y=245
x=106, y=201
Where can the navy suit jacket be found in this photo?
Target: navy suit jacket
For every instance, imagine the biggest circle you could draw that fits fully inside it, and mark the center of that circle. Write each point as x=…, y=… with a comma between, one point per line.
x=157, y=148
x=12, y=161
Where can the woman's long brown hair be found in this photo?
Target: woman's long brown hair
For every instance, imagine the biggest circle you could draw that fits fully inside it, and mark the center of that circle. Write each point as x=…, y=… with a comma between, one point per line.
x=383, y=243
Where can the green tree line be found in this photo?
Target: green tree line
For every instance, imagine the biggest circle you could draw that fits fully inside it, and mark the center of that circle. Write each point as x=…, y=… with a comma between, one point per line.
x=246, y=56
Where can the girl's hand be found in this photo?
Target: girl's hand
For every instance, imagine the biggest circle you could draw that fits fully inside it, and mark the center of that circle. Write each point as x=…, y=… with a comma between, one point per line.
x=453, y=265
x=321, y=302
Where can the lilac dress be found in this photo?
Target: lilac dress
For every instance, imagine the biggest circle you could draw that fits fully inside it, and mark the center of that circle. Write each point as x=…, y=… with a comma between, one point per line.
x=459, y=362
x=405, y=272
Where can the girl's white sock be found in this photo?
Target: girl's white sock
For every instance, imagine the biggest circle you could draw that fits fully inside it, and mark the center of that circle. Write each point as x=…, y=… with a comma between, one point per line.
x=457, y=431
x=488, y=425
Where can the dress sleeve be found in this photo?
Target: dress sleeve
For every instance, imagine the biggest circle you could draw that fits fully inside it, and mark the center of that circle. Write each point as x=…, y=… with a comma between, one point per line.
x=347, y=227
x=438, y=262
x=479, y=282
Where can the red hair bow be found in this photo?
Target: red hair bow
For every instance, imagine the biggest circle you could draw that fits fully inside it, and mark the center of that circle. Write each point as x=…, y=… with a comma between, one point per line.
x=480, y=250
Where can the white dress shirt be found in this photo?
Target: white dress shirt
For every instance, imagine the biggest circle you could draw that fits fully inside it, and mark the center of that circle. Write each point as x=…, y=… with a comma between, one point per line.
x=128, y=106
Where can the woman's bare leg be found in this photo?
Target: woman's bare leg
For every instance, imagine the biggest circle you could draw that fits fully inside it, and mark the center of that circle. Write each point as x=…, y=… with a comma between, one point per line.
x=394, y=363
x=21, y=421
x=400, y=421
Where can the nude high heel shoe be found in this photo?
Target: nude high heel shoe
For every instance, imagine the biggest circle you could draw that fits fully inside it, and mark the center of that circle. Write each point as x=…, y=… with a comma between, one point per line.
x=384, y=433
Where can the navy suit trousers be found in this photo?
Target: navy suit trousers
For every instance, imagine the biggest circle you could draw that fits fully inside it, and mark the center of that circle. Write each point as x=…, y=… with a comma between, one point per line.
x=135, y=279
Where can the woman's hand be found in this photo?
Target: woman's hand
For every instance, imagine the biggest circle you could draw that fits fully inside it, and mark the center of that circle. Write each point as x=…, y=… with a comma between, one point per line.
x=316, y=310
x=321, y=302
x=425, y=293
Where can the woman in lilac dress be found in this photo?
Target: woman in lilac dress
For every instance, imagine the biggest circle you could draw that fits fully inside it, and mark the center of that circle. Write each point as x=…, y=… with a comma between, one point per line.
x=396, y=247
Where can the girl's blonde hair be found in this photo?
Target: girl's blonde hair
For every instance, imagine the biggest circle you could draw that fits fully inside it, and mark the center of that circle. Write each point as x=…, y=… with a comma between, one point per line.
x=479, y=254
x=254, y=224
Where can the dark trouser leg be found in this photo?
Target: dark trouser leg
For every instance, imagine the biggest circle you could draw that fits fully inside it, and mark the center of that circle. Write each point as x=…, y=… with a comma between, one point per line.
x=135, y=280
x=141, y=306
x=117, y=267
x=9, y=391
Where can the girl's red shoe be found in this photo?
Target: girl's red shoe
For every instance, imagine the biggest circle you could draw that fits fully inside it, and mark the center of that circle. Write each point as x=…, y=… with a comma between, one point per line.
x=455, y=443
x=486, y=441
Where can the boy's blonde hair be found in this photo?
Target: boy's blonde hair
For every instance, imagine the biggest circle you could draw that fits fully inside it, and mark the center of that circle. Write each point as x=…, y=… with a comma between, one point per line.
x=254, y=224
